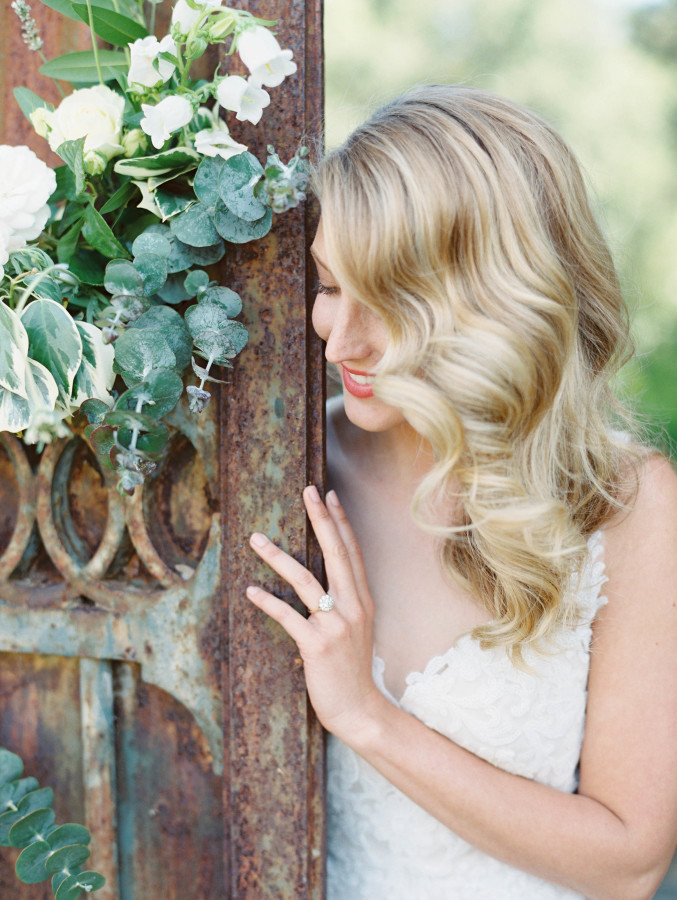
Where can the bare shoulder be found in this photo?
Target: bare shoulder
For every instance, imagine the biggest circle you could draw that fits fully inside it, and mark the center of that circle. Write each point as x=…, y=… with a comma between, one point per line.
x=643, y=540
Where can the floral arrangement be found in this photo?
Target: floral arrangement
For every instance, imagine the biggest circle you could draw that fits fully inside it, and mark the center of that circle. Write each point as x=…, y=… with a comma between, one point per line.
x=105, y=298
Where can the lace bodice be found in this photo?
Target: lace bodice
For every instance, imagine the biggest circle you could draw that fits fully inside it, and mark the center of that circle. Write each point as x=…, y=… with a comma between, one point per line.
x=528, y=722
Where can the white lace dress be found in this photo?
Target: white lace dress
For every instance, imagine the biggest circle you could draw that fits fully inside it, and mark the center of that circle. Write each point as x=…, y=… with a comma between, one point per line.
x=383, y=846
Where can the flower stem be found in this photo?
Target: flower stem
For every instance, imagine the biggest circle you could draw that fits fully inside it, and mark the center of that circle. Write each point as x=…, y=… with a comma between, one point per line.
x=95, y=47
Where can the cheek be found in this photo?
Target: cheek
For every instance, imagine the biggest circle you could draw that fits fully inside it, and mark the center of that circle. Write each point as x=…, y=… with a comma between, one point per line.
x=322, y=317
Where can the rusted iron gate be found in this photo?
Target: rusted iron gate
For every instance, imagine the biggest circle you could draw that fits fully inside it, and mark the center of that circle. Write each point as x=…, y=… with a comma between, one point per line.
x=135, y=678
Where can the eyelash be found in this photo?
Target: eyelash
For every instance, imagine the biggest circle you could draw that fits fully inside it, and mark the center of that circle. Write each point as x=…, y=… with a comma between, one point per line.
x=325, y=289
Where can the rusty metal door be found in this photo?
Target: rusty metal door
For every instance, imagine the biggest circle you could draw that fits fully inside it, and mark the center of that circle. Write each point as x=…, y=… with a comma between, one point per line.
x=135, y=679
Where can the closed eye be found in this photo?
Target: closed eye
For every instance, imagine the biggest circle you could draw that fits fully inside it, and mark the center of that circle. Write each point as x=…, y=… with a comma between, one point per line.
x=321, y=288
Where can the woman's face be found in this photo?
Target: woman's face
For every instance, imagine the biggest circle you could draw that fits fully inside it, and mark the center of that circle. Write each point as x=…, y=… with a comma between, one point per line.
x=356, y=340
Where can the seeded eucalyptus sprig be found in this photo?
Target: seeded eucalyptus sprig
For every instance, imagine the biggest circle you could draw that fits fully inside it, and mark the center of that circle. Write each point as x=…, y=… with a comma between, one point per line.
x=27, y=821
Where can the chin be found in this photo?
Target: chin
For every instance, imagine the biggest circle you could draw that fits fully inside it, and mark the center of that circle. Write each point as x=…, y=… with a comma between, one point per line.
x=371, y=414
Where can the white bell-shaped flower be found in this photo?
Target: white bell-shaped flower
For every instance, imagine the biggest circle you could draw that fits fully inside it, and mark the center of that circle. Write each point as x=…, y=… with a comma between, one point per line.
x=167, y=116
x=144, y=52
x=262, y=55
x=217, y=142
x=184, y=16
x=245, y=98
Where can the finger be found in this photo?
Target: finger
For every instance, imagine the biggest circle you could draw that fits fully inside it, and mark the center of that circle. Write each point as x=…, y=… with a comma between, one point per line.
x=342, y=523
x=336, y=556
x=297, y=576
x=297, y=626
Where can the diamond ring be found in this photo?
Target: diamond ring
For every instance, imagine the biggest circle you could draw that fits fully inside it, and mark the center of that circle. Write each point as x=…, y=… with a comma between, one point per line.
x=324, y=604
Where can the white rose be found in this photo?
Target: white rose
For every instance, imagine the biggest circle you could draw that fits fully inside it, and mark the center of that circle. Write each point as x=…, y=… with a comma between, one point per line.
x=262, y=55
x=93, y=113
x=25, y=188
x=144, y=52
x=217, y=142
x=184, y=16
x=166, y=117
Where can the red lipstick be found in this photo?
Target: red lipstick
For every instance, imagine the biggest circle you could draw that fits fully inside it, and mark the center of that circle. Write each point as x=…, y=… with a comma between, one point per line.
x=355, y=387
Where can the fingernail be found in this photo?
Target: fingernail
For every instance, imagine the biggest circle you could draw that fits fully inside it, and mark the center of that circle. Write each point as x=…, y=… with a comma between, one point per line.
x=259, y=540
x=333, y=499
x=251, y=592
x=312, y=494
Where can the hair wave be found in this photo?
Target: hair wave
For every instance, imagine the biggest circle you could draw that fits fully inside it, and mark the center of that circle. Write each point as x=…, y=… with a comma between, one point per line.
x=463, y=221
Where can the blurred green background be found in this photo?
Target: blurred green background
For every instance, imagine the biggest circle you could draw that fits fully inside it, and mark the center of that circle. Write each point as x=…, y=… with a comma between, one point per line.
x=604, y=72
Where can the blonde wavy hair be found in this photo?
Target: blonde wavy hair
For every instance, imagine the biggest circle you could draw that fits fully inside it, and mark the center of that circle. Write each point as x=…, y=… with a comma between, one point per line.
x=462, y=220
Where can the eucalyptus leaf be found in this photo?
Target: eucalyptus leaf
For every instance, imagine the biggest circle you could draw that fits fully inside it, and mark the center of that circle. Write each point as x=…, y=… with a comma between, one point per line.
x=122, y=277
x=102, y=439
x=111, y=26
x=68, y=834
x=150, y=445
x=183, y=256
x=160, y=392
x=54, y=341
x=151, y=242
x=138, y=352
x=206, y=183
x=214, y=334
x=173, y=291
x=238, y=172
x=239, y=231
x=170, y=325
x=11, y=765
x=126, y=418
x=32, y=827
x=13, y=791
x=195, y=226
x=100, y=236
x=224, y=297
x=195, y=280
x=31, y=864
x=74, y=885
x=158, y=163
x=66, y=858
x=80, y=67
x=94, y=410
x=153, y=270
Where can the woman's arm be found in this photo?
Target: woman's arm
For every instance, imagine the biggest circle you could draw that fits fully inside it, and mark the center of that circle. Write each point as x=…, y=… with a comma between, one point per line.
x=614, y=839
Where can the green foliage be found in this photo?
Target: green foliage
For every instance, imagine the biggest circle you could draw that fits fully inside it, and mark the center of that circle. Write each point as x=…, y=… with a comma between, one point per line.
x=27, y=822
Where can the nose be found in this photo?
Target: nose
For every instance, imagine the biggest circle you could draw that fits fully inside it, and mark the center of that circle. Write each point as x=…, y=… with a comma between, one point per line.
x=348, y=338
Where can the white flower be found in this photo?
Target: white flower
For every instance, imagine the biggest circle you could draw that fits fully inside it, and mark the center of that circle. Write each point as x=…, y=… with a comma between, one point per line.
x=184, y=16
x=168, y=116
x=245, y=98
x=46, y=425
x=217, y=142
x=261, y=54
x=25, y=188
x=93, y=113
x=145, y=51
x=39, y=119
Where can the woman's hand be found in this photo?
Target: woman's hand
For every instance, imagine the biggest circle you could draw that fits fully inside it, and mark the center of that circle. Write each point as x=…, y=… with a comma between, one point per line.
x=337, y=645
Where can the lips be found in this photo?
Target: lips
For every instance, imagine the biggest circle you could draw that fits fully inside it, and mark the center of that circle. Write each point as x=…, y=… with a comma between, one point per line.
x=359, y=384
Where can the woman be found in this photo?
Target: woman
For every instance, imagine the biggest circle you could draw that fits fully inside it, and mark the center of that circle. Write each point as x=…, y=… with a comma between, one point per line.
x=472, y=306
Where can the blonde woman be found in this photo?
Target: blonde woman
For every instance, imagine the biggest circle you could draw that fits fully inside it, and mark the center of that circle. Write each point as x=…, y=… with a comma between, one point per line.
x=514, y=552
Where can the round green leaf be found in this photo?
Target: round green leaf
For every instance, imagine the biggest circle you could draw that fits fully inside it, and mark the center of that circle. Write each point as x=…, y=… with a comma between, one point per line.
x=102, y=439
x=13, y=792
x=32, y=827
x=94, y=410
x=245, y=205
x=171, y=326
x=68, y=834
x=173, y=291
x=138, y=352
x=184, y=256
x=237, y=230
x=31, y=864
x=206, y=184
x=72, y=887
x=194, y=281
x=125, y=418
x=195, y=226
x=66, y=858
x=161, y=391
x=122, y=278
x=151, y=242
x=238, y=172
x=224, y=297
x=150, y=445
x=153, y=270
x=11, y=765
x=214, y=334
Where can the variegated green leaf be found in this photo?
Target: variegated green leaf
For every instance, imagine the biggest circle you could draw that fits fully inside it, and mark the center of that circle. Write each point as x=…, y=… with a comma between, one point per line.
x=42, y=388
x=13, y=351
x=95, y=376
x=54, y=341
